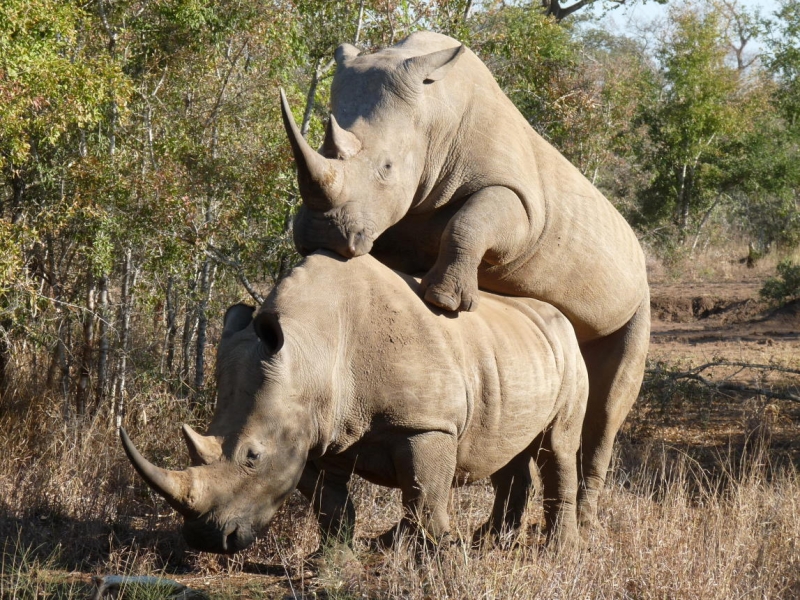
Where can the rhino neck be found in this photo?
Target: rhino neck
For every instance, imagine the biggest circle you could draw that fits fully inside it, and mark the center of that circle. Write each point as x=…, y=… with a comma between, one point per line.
x=450, y=172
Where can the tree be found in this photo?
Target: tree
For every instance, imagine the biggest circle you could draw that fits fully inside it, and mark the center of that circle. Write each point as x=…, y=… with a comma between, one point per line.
x=693, y=119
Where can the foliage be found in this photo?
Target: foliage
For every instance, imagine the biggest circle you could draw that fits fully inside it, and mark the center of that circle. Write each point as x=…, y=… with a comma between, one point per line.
x=145, y=180
x=784, y=58
x=784, y=287
x=692, y=121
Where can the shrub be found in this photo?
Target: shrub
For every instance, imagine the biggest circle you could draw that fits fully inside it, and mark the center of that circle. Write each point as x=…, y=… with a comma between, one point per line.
x=784, y=287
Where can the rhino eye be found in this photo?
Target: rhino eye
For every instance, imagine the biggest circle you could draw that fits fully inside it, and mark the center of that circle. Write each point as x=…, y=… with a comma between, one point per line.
x=252, y=457
x=386, y=170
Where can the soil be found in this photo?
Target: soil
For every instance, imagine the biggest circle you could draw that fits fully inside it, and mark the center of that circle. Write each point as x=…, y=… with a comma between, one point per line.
x=704, y=321
x=750, y=345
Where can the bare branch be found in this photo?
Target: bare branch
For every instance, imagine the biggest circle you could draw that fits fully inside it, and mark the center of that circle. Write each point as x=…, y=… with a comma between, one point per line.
x=553, y=7
x=217, y=255
x=728, y=386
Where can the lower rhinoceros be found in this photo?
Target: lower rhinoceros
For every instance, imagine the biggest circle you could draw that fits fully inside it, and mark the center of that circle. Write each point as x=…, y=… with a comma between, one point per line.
x=346, y=370
x=427, y=165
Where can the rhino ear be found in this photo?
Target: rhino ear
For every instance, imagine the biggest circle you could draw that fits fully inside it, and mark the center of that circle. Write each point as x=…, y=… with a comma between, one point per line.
x=269, y=330
x=345, y=52
x=434, y=66
x=237, y=317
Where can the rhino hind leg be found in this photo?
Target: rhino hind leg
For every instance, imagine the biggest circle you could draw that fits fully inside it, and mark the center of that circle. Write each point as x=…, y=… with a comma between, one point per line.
x=330, y=500
x=615, y=365
x=512, y=486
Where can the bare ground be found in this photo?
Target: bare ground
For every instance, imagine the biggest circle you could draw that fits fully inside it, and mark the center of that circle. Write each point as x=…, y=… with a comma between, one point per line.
x=695, y=324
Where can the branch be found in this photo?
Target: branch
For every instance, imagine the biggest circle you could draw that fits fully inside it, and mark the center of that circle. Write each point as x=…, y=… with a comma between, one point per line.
x=553, y=7
x=217, y=255
x=727, y=386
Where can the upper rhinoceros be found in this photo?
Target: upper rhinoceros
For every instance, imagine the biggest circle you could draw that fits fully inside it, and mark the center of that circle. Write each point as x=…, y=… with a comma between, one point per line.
x=346, y=370
x=430, y=167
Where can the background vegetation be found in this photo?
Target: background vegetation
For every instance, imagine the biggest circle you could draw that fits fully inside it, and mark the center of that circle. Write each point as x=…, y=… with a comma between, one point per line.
x=146, y=184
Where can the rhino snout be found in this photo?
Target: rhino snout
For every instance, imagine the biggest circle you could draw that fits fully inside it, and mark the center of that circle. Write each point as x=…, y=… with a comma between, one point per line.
x=207, y=536
x=315, y=231
x=358, y=244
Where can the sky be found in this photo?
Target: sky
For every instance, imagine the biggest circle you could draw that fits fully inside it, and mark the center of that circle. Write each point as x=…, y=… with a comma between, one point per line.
x=625, y=18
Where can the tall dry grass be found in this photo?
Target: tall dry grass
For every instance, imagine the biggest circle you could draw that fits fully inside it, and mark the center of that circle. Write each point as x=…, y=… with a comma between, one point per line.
x=671, y=526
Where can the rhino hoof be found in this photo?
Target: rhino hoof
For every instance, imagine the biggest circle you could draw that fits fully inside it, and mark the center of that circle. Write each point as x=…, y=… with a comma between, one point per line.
x=442, y=300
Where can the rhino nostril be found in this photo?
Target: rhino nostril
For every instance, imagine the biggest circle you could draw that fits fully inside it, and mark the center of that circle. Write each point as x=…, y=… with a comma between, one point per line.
x=354, y=240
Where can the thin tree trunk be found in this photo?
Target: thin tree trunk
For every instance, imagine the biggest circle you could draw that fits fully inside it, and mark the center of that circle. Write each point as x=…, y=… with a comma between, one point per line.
x=168, y=358
x=206, y=283
x=85, y=369
x=5, y=352
x=703, y=221
x=125, y=310
x=189, y=324
x=103, y=344
x=61, y=363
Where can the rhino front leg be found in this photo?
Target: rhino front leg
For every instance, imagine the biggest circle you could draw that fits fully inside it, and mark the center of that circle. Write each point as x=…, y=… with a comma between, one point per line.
x=425, y=467
x=330, y=500
x=512, y=486
x=492, y=225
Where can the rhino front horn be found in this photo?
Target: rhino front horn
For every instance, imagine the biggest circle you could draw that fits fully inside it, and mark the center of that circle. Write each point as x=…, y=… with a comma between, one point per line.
x=319, y=178
x=173, y=486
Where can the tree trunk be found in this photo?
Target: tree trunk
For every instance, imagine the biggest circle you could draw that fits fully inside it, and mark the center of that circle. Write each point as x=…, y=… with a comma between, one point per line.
x=189, y=324
x=124, y=325
x=87, y=354
x=100, y=392
x=168, y=357
x=5, y=352
x=206, y=283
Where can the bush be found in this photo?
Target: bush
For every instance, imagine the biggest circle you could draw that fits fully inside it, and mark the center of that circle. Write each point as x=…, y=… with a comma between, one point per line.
x=784, y=287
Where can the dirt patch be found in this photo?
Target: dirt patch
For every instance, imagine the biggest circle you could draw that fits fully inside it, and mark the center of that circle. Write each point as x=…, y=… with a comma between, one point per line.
x=728, y=325
x=702, y=321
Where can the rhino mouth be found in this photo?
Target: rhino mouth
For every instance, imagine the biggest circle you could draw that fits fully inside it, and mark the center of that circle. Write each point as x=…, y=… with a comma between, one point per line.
x=206, y=535
x=331, y=231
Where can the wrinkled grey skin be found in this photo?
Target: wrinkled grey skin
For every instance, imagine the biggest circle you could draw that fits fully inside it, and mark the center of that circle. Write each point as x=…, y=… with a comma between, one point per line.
x=427, y=165
x=346, y=370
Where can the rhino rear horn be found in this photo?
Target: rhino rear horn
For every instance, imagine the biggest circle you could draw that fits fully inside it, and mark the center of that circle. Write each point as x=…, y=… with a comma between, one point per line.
x=174, y=486
x=203, y=449
x=339, y=143
x=317, y=176
x=434, y=66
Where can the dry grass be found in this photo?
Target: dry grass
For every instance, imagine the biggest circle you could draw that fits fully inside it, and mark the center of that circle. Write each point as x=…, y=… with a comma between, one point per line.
x=681, y=517
x=717, y=262
x=670, y=529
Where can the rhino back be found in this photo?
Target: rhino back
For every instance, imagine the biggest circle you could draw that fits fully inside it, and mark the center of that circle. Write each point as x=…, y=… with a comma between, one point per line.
x=581, y=255
x=493, y=378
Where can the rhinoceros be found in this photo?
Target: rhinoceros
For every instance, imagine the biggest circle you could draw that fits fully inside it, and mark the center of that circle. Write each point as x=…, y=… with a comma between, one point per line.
x=346, y=370
x=430, y=167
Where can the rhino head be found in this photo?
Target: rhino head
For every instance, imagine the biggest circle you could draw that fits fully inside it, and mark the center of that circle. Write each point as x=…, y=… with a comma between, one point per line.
x=367, y=174
x=257, y=445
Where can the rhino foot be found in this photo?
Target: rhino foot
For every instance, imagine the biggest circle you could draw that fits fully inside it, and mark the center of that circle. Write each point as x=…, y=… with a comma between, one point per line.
x=450, y=293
